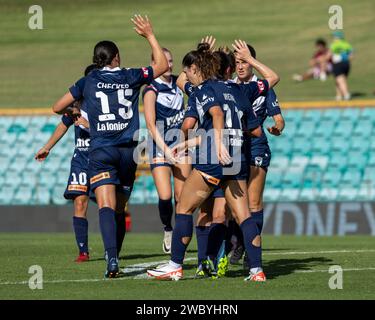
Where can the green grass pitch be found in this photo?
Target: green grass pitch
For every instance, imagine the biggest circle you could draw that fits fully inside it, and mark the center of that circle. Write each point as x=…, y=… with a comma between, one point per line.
x=38, y=66
x=297, y=268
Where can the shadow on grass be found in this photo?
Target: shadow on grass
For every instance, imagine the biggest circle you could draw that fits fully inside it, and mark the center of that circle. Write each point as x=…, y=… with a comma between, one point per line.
x=282, y=267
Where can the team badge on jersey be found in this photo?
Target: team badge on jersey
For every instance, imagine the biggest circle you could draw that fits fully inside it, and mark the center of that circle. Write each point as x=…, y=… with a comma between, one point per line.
x=145, y=72
x=260, y=86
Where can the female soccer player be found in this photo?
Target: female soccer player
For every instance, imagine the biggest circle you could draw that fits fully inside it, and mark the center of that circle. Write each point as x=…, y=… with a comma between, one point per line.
x=212, y=101
x=258, y=151
x=78, y=185
x=112, y=96
x=164, y=111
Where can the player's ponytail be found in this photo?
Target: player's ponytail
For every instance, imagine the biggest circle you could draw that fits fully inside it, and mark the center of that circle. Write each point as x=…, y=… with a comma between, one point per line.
x=207, y=63
x=104, y=53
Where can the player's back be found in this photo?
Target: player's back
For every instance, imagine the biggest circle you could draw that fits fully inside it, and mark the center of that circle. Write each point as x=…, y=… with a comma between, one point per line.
x=112, y=97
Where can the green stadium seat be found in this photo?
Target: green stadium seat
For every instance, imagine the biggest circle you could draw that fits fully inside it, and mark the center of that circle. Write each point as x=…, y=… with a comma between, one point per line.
x=6, y=195
x=343, y=129
x=293, y=116
x=46, y=179
x=4, y=163
x=325, y=128
x=292, y=179
x=33, y=166
x=279, y=162
x=58, y=194
x=38, y=121
x=17, y=128
x=320, y=146
x=347, y=194
x=340, y=144
x=42, y=196
x=48, y=128
x=338, y=161
x=366, y=193
x=312, y=115
x=328, y=194
x=271, y=195
x=298, y=163
x=350, y=114
x=22, y=196
x=301, y=146
x=282, y=147
x=273, y=178
x=306, y=130
x=359, y=144
x=62, y=177
x=356, y=160
x=29, y=179
x=363, y=128
x=309, y=194
x=320, y=161
x=367, y=114
x=331, y=179
x=152, y=196
x=371, y=160
x=8, y=138
x=64, y=166
x=312, y=178
x=25, y=138
x=12, y=179
x=331, y=115
x=351, y=177
x=289, y=194
x=18, y=164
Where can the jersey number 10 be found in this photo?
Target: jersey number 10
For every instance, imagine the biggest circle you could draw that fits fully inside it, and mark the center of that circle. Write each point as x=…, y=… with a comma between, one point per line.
x=125, y=113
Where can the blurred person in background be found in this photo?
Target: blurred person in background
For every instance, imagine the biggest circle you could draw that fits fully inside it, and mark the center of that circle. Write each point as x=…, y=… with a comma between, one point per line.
x=341, y=54
x=320, y=66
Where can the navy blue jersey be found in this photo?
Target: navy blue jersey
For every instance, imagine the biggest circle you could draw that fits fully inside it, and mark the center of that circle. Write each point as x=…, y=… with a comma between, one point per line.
x=111, y=97
x=265, y=105
x=232, y=102
x=81, y=139
x=169, y=106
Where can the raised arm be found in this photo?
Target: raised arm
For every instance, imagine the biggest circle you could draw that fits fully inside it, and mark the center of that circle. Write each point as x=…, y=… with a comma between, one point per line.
x=59, y=132
x=242, y=52
x=63, y=103
x=144, y=28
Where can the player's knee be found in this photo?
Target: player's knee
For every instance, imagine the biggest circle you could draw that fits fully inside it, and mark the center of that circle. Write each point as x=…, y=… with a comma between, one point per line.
x=80, y=207
x=256, y=204
x=257, y=241
x=185, y=240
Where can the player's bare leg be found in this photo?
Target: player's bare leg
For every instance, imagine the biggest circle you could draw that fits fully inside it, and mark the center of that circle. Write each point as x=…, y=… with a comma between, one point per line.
x=81, y=226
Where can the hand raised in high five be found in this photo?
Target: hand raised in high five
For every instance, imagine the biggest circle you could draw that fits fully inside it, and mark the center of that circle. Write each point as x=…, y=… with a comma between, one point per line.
x=210, y=40
x=142, y=26
x=242, y=52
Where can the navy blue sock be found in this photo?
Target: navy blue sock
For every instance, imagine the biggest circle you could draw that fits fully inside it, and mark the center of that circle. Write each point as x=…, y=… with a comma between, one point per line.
x=81, y=230
x=120, y=230
x=202, y=239
x=257, y=216
x=254, y=253
x=166, y=213
x=183, y=228
x=216, y=237
x=108, y=229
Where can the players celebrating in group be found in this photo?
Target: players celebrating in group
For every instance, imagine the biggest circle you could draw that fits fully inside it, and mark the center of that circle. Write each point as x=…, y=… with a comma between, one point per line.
x=219, y=117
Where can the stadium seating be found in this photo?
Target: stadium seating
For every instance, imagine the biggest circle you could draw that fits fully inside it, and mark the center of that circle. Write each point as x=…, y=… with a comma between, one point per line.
x=323, y=155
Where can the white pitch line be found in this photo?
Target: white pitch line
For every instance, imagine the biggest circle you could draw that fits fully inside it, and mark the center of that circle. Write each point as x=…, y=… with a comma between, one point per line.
x=143, y=266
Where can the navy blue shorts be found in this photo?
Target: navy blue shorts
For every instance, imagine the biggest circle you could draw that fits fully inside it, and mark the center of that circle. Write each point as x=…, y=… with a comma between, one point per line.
x=112, y=165
x=217, y=193
x=156, y=156
x=260, y=157
x=78, y=183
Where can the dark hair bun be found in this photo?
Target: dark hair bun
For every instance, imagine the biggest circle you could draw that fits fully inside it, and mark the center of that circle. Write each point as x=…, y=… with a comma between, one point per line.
x=203, y=47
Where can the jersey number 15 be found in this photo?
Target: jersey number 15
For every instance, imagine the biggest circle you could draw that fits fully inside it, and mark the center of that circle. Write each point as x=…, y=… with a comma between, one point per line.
x=125, y=113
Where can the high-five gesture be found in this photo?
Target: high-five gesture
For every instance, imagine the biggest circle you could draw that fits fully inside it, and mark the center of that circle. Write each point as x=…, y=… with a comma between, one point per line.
x=142, y=26
x=210, y=40
x=242, y=52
